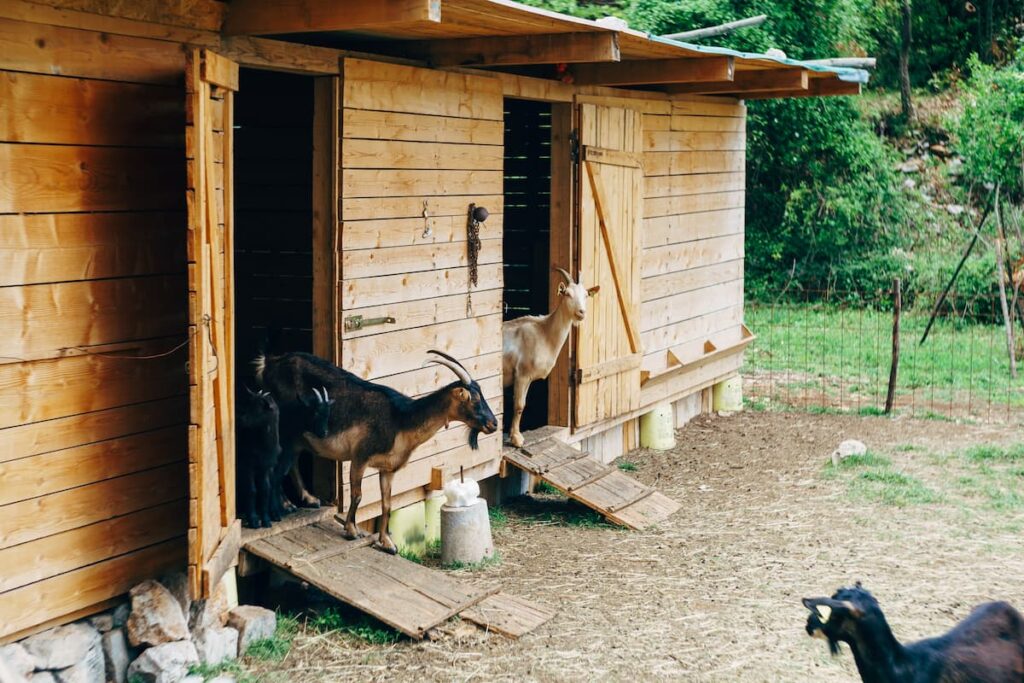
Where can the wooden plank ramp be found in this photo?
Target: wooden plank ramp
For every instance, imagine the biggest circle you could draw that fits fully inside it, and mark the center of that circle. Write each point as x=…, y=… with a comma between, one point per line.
x=407, y=596
x=603, y=488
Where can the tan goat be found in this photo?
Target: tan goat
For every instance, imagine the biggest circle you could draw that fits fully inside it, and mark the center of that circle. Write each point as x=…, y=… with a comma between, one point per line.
x=530, y=345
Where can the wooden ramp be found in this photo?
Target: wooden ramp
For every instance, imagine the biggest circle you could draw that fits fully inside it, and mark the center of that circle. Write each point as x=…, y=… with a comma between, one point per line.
x=404, y=595
x=620, y=498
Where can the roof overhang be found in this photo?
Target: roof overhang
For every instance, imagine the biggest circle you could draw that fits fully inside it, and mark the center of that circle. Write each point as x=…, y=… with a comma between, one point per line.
x=506, y=35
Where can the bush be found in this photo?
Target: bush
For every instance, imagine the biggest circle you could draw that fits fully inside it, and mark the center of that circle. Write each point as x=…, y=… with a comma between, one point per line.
x=824, y=201
x=990, y=130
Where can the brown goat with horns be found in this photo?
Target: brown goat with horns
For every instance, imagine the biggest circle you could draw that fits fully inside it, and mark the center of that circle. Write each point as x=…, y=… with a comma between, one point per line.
x=372, y=425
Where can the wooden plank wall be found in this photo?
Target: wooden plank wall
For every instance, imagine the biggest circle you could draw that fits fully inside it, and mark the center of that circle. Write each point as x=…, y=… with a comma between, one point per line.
x=692, y=268
x=92, y=275
x=410, y=137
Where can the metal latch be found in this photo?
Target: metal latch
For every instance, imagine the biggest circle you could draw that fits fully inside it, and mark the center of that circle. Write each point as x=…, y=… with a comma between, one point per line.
x=356, y=322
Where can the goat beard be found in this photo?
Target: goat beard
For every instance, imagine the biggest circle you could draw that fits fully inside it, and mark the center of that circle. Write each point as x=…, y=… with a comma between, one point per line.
x=474, y=439
x=833, y=645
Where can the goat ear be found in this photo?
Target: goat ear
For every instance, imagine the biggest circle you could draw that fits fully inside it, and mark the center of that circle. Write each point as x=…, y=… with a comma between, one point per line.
x=561, y=288
x=462, y=393
x=593, y=290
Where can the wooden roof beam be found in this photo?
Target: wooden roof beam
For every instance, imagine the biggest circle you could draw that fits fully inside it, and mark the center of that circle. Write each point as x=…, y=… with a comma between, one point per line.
x=549, y=48
x=745, y=82
x=817, y=87
x=263, y=17
x=654, y=71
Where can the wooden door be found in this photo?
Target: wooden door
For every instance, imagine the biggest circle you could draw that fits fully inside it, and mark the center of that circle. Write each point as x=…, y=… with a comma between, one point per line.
x=214, y=533
x=610, y=180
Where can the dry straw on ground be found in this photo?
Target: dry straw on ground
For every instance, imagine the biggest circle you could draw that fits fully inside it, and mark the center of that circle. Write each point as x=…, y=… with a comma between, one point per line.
x=714, y=594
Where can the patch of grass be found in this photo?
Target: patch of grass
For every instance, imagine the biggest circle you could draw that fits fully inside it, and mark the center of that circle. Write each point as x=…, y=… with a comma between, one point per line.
x=544, y=487
x=407, y=554
x=231, y=668
x=1003, y=499
x=362, y=627
x=870, y=411
x=492, y=561
x=757, y=404
x=890, y=487
x=907, y=448
x=627, y=466
x=274, y=649
x=994, y=453
x=869, y=459
x=499, y=519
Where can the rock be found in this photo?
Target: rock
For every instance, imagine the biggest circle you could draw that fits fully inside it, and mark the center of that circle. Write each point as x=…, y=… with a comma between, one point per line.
x=848, y=448
x=940, y=150
x=42, y=677
x=9, y=675
x=63, y=646
x=111, y=619
x=910, y=183
x=253, y=623
x=211, y=612
x=911, y=166
x=121, y=613
x=775, y=52
x=115, y=652
x=177, y=584
x=89, y=669
x=156, y=616
x=216, y=644
x=955, y=167
x=17, y=659
x=164, y=663
x=194, y=678
x=954, y=209
x=222, y=679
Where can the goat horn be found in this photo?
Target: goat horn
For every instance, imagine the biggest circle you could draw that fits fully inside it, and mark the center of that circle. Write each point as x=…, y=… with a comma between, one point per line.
x=455, y=366
x=565, y=274
x=323, y=390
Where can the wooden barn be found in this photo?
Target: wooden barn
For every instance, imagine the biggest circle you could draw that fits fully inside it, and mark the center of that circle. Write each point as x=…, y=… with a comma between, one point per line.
x=178, y=177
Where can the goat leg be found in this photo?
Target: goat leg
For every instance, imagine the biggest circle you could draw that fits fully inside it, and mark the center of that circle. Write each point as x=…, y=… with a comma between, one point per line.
x=355, y=479
x=306, y=499
x=519, y=390
x=248, y=497
x=263, y=493
x=383, y=538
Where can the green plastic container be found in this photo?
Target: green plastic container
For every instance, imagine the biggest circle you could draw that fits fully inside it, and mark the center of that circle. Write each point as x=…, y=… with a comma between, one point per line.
x=408, y=529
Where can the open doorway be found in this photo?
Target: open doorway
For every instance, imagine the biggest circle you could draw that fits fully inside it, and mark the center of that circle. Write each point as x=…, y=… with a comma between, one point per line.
x=527, y=231
x=273, y=165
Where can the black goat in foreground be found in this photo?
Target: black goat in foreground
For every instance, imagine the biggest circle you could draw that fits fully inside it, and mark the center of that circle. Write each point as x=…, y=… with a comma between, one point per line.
x=373, y=425
x=258, y=446
x=986, y=647
x=310, y=414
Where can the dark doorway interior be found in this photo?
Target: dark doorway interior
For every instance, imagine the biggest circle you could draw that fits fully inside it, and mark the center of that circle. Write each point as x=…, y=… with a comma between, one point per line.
x=527, y=221
x=273, y=161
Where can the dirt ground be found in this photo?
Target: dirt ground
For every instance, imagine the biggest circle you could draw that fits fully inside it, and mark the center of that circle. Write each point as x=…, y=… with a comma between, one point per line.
x=714, y=593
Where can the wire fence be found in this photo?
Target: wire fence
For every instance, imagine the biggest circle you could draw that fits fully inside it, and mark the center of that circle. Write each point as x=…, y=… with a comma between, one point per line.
x=833, y=351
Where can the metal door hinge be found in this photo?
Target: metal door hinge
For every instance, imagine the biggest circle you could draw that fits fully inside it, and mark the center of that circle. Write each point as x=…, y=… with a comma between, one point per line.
x=357, y=322
x=574, y=146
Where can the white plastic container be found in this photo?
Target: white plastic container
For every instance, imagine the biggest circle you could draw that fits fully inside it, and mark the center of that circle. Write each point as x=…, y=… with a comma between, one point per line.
x=657, y=428
x=727, y=395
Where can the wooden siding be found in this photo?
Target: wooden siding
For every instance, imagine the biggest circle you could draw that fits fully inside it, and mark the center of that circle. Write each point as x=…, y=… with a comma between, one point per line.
x=414, y=138
x=692, y=258
x=92, y=279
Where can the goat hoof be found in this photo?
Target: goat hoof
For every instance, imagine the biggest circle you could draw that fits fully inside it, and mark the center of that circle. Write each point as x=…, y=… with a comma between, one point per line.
x=516, y=440
x=390, y=548
x=310, y=503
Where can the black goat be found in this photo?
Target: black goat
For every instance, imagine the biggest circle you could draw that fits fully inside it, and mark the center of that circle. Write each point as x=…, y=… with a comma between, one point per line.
x=373, y=425
x=258, y=446
x=310, y=414
x=986, y=647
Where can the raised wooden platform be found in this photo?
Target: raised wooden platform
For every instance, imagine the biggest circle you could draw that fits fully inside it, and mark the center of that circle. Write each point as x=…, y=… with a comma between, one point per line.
x=603, y=488
x=404, y=595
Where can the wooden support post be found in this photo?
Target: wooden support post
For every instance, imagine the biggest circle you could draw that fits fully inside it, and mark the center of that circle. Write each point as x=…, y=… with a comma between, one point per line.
x=264, y=17
x=816, y=87
x=552, y=48
x=897, y=305
x=745, y=82
x=1001, y=276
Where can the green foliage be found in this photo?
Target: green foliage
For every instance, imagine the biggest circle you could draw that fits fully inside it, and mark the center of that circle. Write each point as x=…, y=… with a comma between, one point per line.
x=627, y=466
x=990, y=131
x=492, y=561
x=993, y=453
x=230, y=668
x=275, y=649
x=824, y=204
x=499, y=519
x=363, y=627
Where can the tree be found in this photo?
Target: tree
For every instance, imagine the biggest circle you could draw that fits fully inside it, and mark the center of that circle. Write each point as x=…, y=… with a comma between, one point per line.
x=906, y=36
